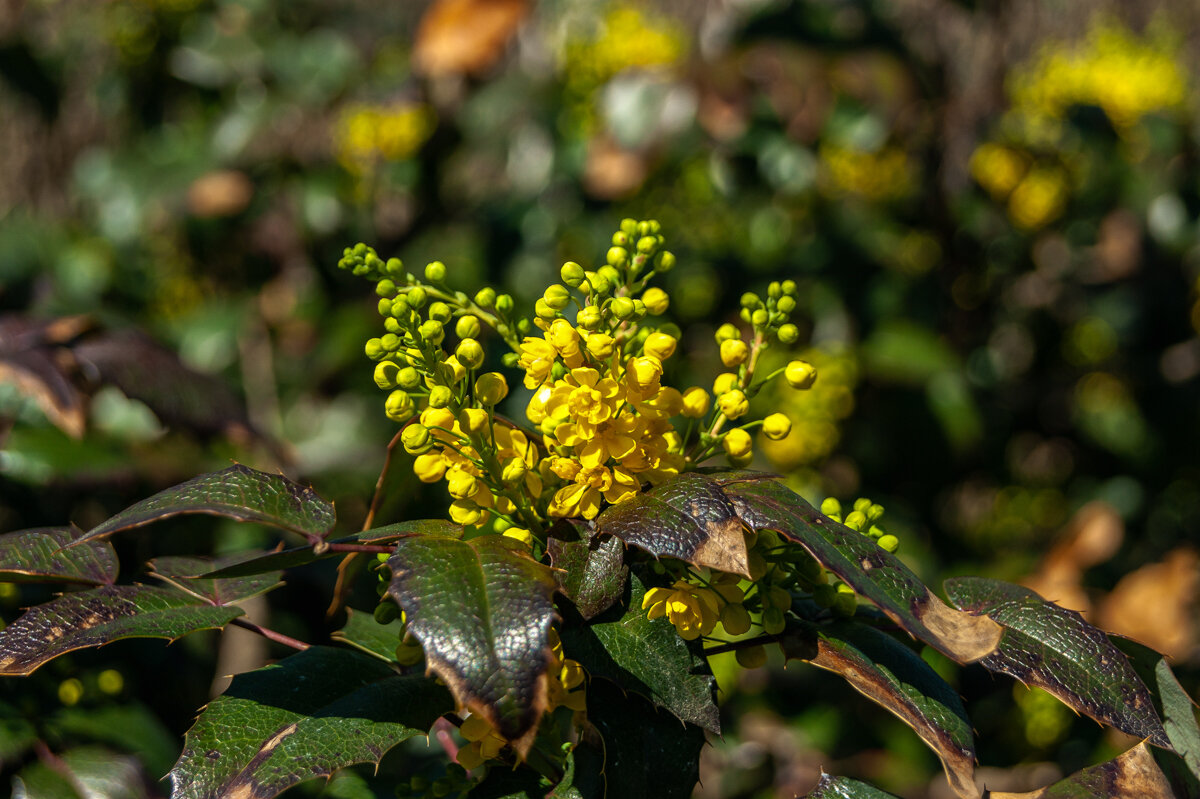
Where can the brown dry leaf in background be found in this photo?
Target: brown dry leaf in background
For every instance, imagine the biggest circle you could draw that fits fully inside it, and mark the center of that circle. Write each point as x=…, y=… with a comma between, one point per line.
x=612, y=172
x=222, y=192
x=1156, y=604
x=1093, y=535
x=458, y=37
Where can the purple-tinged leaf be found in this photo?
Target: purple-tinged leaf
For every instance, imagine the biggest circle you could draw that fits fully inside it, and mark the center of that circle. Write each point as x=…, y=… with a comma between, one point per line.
x=100, y=616
x=590, y=568
x=40, y=555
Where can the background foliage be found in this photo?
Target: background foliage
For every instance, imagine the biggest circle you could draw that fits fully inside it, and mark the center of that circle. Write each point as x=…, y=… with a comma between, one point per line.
x=991, y=211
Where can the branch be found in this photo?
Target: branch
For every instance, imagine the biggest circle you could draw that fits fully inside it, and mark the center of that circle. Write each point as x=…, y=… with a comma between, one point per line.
x=270, y=634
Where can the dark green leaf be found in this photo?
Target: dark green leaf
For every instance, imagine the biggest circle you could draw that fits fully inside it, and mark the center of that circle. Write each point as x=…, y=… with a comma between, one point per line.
x=174, y=570
x=873, y=572
x=39, y=554
x=894, y=676
x=688, y=518
x=1179, y=717
x=364, y=633
x=646, y=656
x=17, y=734
x=1133, y=774
x=303, y=717
x=831, y=787
x=482, y=611
x=129, y=727
x=590, y=569
x=642, y=753
x=300, y=556
x=1055, y=649
x=502, y=782
x=238, y=493
x=99, y=616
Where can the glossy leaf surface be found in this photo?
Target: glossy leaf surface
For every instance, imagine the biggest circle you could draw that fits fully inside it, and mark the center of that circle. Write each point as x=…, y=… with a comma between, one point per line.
x=1132, y=775
x=367, y=635
x=831, y=787
x=39, y=554
x=590, y=569
x=227, y=591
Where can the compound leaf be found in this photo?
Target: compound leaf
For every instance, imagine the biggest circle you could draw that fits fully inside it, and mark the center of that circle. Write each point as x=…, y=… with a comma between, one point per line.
x=303, y=717
x=99, y=616
x=1056, y=650
x=590, y=569
x=647, y=657
x=239, y=493
x=40, y=555
x=482, y=610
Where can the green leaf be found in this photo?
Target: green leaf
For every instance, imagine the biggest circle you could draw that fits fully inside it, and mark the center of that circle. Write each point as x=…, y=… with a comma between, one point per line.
x=874, y=573
x=303, y=717
x=174, y=570
x=87, y=772
x=831, y=787
x=590, y=569
x=99, y=616
x=482, y=611
x=39, y=555
x=17, y=734
x=238, y=493
x=895, y=677
x=643, y=754
x=1131, y=775
x=1056, y=650
x=129, y=727
x=1179, y=716
x=645, y=656
x=364, y=633
x=301, y=556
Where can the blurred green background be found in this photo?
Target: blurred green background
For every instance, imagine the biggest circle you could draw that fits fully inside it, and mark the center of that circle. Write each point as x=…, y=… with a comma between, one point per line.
x=992, y=210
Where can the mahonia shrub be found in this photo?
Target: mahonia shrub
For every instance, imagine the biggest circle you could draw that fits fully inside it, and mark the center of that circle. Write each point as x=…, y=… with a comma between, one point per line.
x=598, y=546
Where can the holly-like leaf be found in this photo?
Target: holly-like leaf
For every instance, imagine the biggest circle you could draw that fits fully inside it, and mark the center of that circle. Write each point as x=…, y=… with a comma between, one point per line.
x=689, y=518
x=482, y=611
x=364, y=633
x=647, y=657
x=40, y=555
x=831, y=787
x=1056, y=650
x=99, y=616
x=176, y=569
x=239, y=493
x=303, y=717
x=1132, y=774
x=895, y=677
x=642, y=753
x=590, y=569
x=1179, y=716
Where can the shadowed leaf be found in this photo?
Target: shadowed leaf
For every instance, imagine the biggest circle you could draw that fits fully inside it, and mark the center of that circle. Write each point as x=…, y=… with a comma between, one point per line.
x=590, y=569
x=482, y=611
x=39, y=555
x=648, y=657
x=17, y=735
x=32, y=360
x=303, y=717
x=1132, y=775
x=892, y=675
x=238, y=493
x=84, y=772
x=1179, y=714
x=831, y=787
x=129, y=727
x=364, y=633
x=1056, y=650
x=176, y=570
x=99, y=616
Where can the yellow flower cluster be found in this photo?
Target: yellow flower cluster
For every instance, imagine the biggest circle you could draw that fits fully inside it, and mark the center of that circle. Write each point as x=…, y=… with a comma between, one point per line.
x=1127, y=75
x=367, y=134
x=816, y=414
x=1036, y=193
x=882, y=175
x=627, y=38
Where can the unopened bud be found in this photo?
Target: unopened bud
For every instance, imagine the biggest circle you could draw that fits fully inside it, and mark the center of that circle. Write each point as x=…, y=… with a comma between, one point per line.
x=801, y=374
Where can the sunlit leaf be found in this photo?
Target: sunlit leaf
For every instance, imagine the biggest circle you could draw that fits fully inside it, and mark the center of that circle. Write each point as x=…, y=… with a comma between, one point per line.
x=482, y=611
x=303, y=717
x=831, y=787
x=82, y=773
x=1132, y=775
x=99, y=616
x=39, y=554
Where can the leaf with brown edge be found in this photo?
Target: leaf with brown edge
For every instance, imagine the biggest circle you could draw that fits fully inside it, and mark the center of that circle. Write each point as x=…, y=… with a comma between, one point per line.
x=689, y=518
x=39, y=555
x=896, y=678
x=1056, y=650
x=874, y=573
x=482, y=610
x=1132, y=775
x=590, y=569
x=239, y=493
x=100, y=616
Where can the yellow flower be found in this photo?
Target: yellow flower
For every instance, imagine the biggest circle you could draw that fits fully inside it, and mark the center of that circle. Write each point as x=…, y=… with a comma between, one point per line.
x=733, y=403
x=725, y=382
x=776, y=426
x=565, y=339
x=660, y=346
x=537, y=359
x=737, y=443
x=642, y=376
x=614, y=438
x=734, y=352
x=590, y=486
x=695, y=402
x=430, y=467
x=490, y=388
x=484, y=743
x=694, y=611
x=585, y=397
x=600, y=345
x=800, y=374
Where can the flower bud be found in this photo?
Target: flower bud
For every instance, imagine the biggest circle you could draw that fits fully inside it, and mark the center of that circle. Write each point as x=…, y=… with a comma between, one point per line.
x=801, y=374
x=416, y=297
x=394, y=267
x=647, y=244
x=393, y=326
x=429, y=467
x=504, y=304
x=725, y=382
x=777, y=426
x=520, y=534
x=465, y=512
x=832, y=508
x=737, y=442
x=760, y=317
x=617, y=257
x=600, y=345
x=431, y=330
x=557, y=296
x=589, y=318
x=727, y=332
x=416, y=439
x=408, y=378
x=788, y=333
x=786, y=304
x=855, y=520
x=485, y=297
x=665, y=262
x=889, y=542
x=467, y=326
x=735, y=619
x=572, y=274
x=733, y=404
x=385, y=374
x=399, y=406
x=385, y=288
x=695, y=402
x=469, y=353
x=462, y=485
x=385, y=306
x=490, y=388
x=473, y=420
x=659, y=345
x=734, y=352
x=513, y=471
x=390, y=342
x=400, y=308
x=543, y=310
x=751, y=657
x=622, y=307
x=440, y=396
x=435, y=271
x=440, y=311
x=773, y=621
x=628, y=226
x=599, y=283
x=656, y=301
